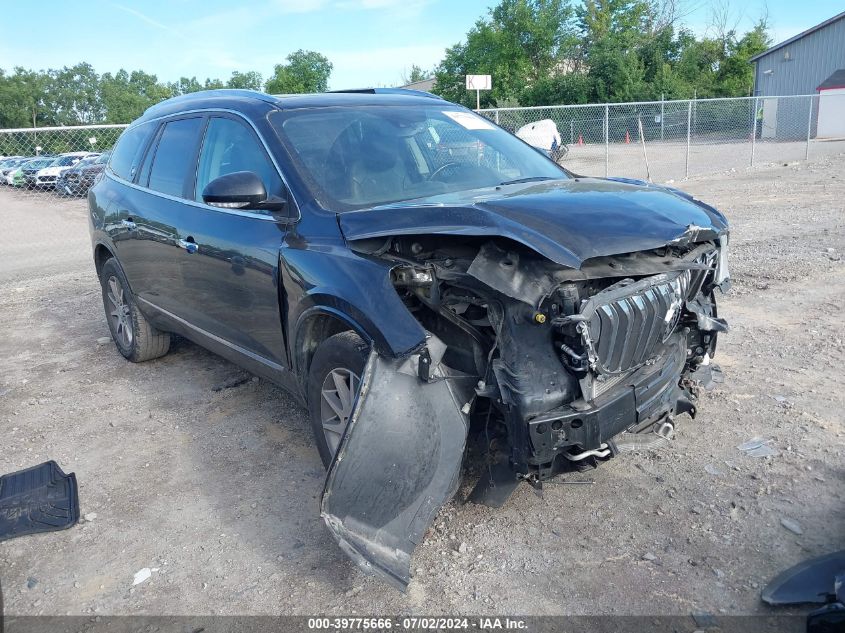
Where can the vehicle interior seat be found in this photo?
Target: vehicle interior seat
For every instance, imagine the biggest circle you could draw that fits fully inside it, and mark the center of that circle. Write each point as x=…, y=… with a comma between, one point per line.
x=364, y=165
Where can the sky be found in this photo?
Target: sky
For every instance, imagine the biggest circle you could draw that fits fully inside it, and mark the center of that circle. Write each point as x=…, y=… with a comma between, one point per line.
x=370, y=42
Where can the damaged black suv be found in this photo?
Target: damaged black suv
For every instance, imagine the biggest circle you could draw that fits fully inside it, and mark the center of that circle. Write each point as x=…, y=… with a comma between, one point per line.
x=415, y=276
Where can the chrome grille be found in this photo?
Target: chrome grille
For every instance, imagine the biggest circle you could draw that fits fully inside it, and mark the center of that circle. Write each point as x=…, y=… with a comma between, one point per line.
x=628, y=322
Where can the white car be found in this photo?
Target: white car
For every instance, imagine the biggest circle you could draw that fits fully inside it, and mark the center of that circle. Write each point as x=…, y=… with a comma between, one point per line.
x=544, y=136
x=46, y=178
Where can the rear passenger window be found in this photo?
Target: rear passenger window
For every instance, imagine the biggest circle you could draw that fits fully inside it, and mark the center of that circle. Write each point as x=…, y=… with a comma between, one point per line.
x=174, y=156
x=127, y=153
x=229, y=146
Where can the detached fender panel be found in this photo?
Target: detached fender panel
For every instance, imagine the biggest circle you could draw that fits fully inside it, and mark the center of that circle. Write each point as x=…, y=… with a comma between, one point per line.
x=398, y=462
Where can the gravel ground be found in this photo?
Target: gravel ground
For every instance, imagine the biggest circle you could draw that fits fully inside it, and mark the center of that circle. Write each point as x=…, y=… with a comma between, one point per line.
x=216, y=488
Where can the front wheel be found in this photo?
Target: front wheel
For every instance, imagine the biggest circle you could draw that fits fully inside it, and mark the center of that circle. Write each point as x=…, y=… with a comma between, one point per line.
x=133, y=335
x=334, y=380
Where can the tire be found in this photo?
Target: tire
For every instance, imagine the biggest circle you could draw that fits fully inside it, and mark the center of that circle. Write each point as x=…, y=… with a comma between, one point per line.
x=342, y=356
x=133, y=335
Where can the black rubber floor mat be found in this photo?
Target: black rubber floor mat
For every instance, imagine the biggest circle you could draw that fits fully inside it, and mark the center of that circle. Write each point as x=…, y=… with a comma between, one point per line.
x=38, y=499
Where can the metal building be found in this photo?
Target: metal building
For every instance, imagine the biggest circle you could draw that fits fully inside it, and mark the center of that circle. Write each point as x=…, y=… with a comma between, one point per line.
x=799, y=65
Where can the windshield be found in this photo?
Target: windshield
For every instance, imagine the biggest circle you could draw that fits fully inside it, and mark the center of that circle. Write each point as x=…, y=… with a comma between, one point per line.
x=64, y=161
x=39, y=163
x=90, y=160
x=359, y=157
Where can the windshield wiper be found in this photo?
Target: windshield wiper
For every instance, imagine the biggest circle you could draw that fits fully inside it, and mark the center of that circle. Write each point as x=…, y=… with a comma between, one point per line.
x=528, y=179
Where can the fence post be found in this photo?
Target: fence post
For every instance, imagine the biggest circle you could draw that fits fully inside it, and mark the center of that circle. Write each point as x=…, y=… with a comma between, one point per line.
x=497, y=117
x=572, y=132
x=689, y=127
x=606, y=140
x=695, y=108
x=809, y=128
x=754, y=128
x=645, y=154
x=662, y=114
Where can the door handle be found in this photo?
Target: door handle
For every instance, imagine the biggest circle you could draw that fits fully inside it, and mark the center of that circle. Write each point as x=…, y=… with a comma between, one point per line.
x=189, y=245
x=129, y=224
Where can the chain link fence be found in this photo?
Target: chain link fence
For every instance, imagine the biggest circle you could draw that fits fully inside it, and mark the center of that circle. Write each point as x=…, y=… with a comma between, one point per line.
x=657, y=140
x=55, y=160
x=672, y=140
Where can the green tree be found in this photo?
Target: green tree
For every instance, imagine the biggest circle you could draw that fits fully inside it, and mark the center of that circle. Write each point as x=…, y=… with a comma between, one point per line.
x=416, y=74
x=558, y=89
x=698, y=64
x=22, y=99
x=126, y=95
x=72, y=95
x=305, y=71
x=518, y=43
x=185, y=85
x=612, y=34
x=736, y=74
x=213, y=84
x=249, y=80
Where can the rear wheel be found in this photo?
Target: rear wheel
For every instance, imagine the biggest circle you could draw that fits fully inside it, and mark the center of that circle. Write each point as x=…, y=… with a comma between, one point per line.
x=135, y=338
x=334, y=380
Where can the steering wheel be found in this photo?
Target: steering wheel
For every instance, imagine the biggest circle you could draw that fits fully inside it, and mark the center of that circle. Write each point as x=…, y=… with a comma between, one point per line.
x=443, y=167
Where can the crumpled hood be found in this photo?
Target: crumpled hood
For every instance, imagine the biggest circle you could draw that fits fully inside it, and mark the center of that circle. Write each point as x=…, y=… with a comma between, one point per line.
x=568, y=221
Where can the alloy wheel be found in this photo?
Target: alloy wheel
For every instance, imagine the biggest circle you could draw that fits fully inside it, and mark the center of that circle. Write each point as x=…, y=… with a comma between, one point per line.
x=337, y=397
x=119, y=313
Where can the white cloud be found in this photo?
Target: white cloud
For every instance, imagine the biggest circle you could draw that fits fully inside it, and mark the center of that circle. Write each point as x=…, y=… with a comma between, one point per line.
x=147, y=19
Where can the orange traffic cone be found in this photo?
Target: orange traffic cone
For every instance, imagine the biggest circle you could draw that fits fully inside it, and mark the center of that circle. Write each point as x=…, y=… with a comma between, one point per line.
x=627, y=137
x=580, y=140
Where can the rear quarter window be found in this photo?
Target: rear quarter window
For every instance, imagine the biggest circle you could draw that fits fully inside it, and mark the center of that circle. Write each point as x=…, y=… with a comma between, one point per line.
x=175, y=157
x=127, y=152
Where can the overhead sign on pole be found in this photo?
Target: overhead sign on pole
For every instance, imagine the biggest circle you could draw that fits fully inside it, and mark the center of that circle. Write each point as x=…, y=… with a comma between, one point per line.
x=479, y=83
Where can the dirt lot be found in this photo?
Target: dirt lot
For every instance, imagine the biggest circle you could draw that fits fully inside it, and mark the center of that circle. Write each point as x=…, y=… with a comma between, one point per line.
x=217, y=489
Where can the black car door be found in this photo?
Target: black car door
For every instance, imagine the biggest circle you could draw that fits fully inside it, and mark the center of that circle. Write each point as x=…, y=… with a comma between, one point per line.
x=146, y=236
x=228, y=260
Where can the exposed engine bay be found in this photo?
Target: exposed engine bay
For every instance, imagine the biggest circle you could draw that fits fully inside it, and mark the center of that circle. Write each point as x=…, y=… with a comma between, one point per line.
x=569, y=362
x=555, y=369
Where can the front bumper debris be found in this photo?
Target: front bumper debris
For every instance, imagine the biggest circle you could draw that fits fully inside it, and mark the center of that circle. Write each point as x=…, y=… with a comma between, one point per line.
x=398, y=462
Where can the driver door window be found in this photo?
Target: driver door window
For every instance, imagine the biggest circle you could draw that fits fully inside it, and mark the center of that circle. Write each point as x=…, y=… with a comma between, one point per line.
x=229, y=146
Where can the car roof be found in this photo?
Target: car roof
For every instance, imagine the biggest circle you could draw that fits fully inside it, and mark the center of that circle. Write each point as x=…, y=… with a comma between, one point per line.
x=255, y=103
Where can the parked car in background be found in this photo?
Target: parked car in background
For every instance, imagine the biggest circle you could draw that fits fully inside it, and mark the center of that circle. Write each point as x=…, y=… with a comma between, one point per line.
x=544, y=136
x=46, y=177
x=77, y=180
x=405, y=294
x=25, y=175
x=8, y=165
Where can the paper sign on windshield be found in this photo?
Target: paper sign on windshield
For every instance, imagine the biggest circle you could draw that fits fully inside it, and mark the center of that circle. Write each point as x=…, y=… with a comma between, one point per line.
x=469, y=121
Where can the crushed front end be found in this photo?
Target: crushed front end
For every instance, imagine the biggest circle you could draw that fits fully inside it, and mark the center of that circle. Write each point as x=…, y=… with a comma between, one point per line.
x=573, y=366
x=548, y=350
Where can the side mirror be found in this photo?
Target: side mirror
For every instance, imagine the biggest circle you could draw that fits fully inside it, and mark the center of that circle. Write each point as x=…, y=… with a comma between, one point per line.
x=240, y=190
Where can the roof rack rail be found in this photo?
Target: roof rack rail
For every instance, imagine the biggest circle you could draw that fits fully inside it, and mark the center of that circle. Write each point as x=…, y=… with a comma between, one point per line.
x=205, y=94
x=390, y=91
